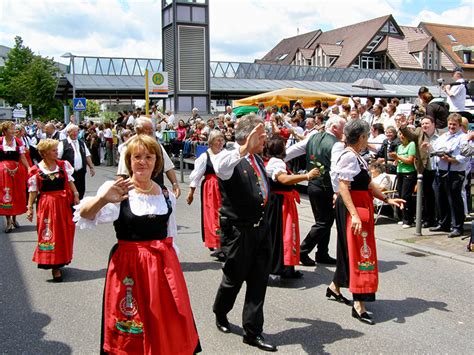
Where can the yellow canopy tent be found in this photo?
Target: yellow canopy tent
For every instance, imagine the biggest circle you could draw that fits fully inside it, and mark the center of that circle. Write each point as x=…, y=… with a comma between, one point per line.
x=284, y=96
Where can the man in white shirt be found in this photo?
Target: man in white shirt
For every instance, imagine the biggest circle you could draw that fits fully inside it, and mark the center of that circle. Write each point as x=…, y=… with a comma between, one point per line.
x=456, y=93
x=77, y=154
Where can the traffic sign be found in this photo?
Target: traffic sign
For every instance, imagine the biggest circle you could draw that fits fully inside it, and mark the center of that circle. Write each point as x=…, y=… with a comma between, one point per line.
x=79, y=104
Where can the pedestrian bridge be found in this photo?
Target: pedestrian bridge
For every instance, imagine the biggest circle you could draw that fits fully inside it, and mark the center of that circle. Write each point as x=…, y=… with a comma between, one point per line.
x=120, y=78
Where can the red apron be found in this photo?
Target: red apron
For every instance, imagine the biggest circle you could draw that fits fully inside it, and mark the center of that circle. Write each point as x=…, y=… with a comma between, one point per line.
x=290, y=227
x=146, y=305
x=12, y=188
x=363, y=269
x=211, y=203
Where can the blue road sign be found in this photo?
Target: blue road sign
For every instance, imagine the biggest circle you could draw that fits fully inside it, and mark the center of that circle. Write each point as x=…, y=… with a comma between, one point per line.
x=79, y=104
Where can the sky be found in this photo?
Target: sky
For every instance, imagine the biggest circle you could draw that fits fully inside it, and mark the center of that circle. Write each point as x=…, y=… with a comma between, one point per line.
x=240, y=30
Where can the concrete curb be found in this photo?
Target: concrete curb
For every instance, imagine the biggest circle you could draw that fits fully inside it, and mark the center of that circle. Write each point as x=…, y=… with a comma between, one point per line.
x=429, y=250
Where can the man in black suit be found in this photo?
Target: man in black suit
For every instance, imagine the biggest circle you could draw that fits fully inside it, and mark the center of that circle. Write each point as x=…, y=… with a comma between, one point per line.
x=245, y=237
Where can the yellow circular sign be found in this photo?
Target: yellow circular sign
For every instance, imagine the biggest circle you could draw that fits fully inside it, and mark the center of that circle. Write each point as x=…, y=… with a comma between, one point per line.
x=158, y=79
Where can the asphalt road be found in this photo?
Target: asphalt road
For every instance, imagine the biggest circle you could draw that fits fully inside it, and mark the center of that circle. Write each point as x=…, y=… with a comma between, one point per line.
x=424, y=303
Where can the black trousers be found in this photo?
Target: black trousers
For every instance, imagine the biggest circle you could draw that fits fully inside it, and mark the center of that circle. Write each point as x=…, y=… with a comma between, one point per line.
x=80, y=182
x=248, y=259
x=406, y=183
x=448, y=188
x=323, y=212
x=429, y=202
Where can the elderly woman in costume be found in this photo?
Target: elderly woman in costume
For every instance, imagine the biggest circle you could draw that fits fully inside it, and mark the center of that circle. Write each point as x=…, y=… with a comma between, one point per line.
x=146, y=303
x=283, y=214
x=52, y=183
x=210, y=194
x=13, y=170
x=356, y=253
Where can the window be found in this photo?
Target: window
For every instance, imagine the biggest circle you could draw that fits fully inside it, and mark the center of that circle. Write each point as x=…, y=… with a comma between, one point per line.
x=451, y=38
x=339, y=42
x=281, y=56
x=374, y=43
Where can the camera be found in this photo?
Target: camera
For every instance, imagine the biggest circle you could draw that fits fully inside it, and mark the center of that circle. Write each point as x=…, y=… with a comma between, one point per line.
x=440, y=81
x=440, y=153
x=418, y=113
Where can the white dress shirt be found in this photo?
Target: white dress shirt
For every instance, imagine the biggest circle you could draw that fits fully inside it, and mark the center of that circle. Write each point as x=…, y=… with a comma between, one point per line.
x=78, y=163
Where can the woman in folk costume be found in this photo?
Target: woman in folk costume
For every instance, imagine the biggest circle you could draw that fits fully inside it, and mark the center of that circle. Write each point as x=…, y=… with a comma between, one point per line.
x=356, y=252
x=13, y=170
x=20, y=133
x=210, y=194
x=146, y=304
x=52, y=182
x=283, y=214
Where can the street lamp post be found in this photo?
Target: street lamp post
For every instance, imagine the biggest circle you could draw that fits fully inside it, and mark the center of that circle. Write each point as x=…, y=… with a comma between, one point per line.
x=73, y=68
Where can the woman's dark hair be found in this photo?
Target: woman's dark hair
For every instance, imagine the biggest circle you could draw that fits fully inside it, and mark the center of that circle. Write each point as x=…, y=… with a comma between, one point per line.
x=285, y=107
x=378, y=127
x=275, y=148
x=354, y=129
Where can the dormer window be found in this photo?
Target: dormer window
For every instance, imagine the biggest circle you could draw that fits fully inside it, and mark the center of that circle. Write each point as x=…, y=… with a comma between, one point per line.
x=451, y=38
x=338, y=43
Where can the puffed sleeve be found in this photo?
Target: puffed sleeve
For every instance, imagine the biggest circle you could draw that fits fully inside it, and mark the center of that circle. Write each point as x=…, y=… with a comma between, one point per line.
x=108, y=213
x=198, y=171
x=172, y=226
x=32, y=183
x=69, y=170
x=347, y=167
x=275, y=167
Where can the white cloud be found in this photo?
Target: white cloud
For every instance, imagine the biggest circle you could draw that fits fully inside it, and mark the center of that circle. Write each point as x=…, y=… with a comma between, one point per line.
x=240, y=30
x=459, y=16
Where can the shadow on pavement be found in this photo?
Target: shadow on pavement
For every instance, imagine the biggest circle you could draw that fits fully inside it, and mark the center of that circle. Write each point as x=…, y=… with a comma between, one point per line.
x=312, y=277
x=314, y=336
x=21, y=327
x=24, y=229
x=386, y=266
x=399, y=310
x=71, y=274
x=199, y=266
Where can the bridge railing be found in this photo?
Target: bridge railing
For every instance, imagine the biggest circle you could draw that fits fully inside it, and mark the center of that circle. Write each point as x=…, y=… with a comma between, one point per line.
x=237, y=70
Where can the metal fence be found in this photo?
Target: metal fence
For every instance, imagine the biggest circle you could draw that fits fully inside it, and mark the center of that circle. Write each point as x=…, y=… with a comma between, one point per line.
x=235, y=70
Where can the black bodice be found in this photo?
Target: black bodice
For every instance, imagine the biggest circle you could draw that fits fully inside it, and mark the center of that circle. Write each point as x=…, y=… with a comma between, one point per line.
x=209, y=166
x=9, y=155
x=135, y=228
x=51, y=182
x=362, y=179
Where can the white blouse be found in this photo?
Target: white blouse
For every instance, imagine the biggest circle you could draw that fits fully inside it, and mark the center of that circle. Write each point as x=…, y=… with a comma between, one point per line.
x=275, y=167
x=32, y=181
x=198, y=172
x=12, y=148
x=346, y=168
x=140, y=205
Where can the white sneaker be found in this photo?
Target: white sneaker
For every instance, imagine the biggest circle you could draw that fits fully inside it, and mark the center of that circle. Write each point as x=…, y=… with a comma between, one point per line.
x=405, y=226
x=400, y=223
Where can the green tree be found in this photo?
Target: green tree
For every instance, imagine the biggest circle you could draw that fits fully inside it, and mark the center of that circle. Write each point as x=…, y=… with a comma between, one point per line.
x=93, y=108
x=31, y=80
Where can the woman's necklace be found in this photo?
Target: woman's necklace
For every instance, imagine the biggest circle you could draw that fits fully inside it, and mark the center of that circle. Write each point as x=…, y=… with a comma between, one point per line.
x=354, y=151
x=49, y=167
x=145, y=191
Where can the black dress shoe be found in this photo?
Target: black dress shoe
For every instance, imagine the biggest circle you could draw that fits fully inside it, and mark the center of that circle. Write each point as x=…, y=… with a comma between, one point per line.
x=57, y=277
x=454, y=234
x=338, y=297
x=306, y=260
x=16, y=224
x=326, y=260
x=223, y=324
x=363, y=317
x=439, y=228
x=259, y=342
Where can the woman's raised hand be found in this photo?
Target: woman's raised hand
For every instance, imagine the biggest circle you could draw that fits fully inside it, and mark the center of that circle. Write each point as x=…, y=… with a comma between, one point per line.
x=118, y=191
